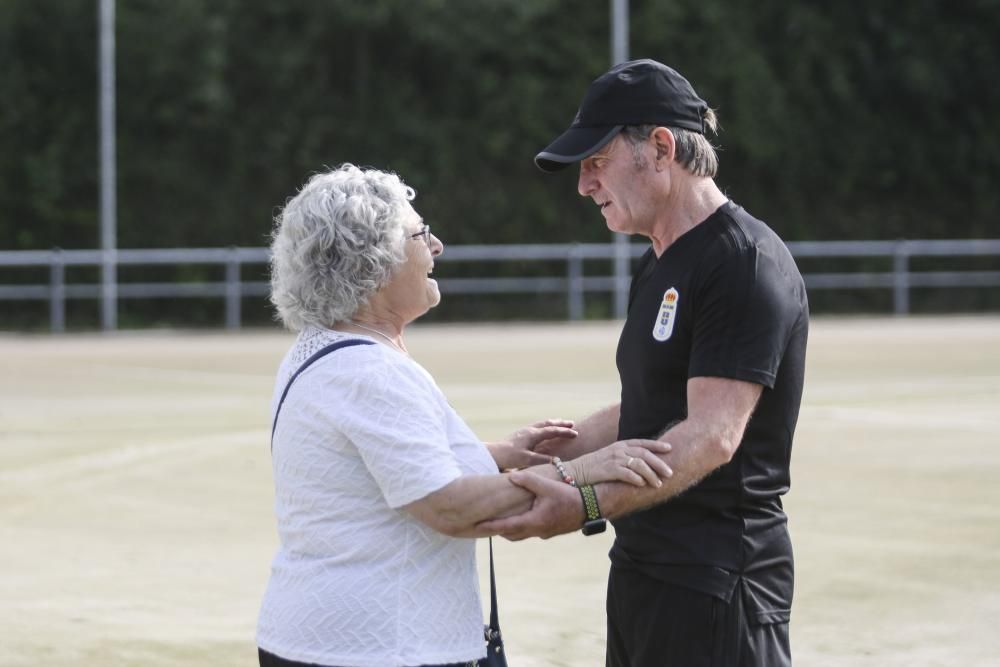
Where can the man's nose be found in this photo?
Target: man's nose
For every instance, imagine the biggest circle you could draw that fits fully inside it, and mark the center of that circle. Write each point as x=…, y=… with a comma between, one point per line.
x=586, y=185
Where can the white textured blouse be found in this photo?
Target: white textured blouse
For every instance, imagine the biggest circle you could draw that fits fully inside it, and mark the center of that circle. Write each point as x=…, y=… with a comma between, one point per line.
x=357, y=581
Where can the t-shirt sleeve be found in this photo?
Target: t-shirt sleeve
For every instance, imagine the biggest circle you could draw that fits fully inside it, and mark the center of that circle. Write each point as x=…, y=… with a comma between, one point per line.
x=390, y=414
x=743, y=314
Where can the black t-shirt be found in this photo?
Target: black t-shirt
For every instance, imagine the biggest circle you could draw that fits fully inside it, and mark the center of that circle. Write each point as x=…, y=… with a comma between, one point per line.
x=724, y=300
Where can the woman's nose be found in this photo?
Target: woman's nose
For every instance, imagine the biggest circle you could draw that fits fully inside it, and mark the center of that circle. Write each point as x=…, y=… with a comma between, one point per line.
x=437, y=246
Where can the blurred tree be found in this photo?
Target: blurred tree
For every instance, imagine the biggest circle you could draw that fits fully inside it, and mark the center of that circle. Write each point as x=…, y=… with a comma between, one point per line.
x=856, y=119
x=48, y=124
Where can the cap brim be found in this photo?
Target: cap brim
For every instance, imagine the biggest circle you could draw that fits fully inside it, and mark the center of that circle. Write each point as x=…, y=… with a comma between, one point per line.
x=574, y=145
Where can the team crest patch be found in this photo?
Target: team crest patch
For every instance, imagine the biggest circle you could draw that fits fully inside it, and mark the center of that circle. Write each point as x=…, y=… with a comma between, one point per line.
x=663, y=327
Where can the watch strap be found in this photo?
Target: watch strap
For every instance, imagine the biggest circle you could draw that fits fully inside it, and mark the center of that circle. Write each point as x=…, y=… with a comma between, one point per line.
x=590, y=506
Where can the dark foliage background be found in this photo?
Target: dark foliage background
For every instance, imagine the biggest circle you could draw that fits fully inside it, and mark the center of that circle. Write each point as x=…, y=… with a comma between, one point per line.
x=847, y=120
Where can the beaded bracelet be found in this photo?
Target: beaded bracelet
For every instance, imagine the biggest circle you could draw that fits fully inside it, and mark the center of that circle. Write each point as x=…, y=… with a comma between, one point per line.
x=566, y=477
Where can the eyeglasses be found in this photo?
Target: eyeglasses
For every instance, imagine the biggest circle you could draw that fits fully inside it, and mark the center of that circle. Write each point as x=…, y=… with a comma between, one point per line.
x=425, y=233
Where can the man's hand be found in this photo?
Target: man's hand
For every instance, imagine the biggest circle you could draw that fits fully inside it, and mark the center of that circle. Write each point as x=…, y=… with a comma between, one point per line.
x=556, y=510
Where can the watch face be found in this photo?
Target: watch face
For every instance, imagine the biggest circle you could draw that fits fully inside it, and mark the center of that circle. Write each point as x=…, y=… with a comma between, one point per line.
x=594, y=526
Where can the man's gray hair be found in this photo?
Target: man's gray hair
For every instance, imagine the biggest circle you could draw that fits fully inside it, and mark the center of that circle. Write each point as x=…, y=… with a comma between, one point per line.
x=336, y=243
x=693, y=150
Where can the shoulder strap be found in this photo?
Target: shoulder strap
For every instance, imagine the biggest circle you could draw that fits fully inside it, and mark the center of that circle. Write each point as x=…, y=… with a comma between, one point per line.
x=494, y=616
x=332, y=347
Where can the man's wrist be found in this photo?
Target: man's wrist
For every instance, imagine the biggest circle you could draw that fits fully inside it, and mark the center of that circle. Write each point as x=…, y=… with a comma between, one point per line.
x=593, y=521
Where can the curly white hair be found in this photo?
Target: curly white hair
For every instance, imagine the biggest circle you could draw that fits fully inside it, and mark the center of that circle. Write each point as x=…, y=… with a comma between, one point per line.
x=336, y=243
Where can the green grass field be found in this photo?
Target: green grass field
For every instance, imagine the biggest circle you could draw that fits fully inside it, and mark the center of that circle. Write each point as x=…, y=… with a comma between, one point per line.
x=135, y=492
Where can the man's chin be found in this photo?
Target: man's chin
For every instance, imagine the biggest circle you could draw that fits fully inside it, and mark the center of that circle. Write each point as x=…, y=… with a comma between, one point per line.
x=610, y=222
x=614, y=227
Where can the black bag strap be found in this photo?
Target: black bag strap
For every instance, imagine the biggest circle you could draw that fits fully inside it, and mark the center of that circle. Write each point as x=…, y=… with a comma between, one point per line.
x=495, y=655
x=494, y=616
x=332, y=347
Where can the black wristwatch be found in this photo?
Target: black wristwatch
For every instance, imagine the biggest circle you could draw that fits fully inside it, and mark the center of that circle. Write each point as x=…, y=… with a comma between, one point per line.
x=593, y=523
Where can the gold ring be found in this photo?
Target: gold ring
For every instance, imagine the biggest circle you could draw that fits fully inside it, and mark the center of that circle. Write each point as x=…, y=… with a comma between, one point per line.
x=628, y=464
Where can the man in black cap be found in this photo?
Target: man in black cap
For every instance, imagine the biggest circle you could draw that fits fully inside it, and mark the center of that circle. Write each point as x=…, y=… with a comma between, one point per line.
x=711, y=359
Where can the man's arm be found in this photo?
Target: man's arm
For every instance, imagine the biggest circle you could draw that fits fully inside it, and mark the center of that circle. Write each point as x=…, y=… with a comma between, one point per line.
x=598, y=430
x=718, y=412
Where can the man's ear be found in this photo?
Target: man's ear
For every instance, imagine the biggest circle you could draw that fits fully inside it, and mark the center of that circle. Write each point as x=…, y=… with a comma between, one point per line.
x=663, y=140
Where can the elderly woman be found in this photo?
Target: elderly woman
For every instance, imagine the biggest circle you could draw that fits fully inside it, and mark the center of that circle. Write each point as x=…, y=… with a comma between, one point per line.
x=379, y=484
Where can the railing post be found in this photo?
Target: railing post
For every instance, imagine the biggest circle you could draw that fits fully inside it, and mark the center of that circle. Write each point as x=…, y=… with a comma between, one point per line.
x=233, y=289
x=574, y=283
x=901, y=278
x=57, y=292
x=108, y=164
x=109, y=289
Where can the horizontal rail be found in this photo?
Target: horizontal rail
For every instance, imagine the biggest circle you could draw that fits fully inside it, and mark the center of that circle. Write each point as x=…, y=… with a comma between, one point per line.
x=574, y=283
x=921, y=279
x=539, y=251
x=914, y=248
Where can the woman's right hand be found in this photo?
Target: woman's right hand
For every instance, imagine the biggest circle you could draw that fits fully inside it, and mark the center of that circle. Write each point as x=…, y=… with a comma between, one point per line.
x=631, y=461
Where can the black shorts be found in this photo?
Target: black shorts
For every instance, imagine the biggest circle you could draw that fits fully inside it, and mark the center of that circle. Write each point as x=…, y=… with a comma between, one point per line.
x=655, y=624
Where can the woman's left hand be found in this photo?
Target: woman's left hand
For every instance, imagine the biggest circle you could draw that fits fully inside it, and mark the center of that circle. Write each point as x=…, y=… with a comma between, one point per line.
x=636, y=462
x=517, y=451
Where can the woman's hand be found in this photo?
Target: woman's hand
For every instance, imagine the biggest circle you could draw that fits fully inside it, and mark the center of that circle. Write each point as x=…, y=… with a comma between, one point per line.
x=631, y=461
x=518, y=450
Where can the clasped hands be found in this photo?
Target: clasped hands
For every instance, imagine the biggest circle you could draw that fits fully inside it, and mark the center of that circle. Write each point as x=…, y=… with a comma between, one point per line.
x=557, y=507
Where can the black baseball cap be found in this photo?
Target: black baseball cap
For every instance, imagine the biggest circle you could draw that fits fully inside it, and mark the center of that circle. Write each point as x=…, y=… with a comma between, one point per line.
x=632, y=93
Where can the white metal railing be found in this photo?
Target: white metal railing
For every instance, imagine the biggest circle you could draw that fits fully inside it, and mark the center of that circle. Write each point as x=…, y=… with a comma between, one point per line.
x=574, y=283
